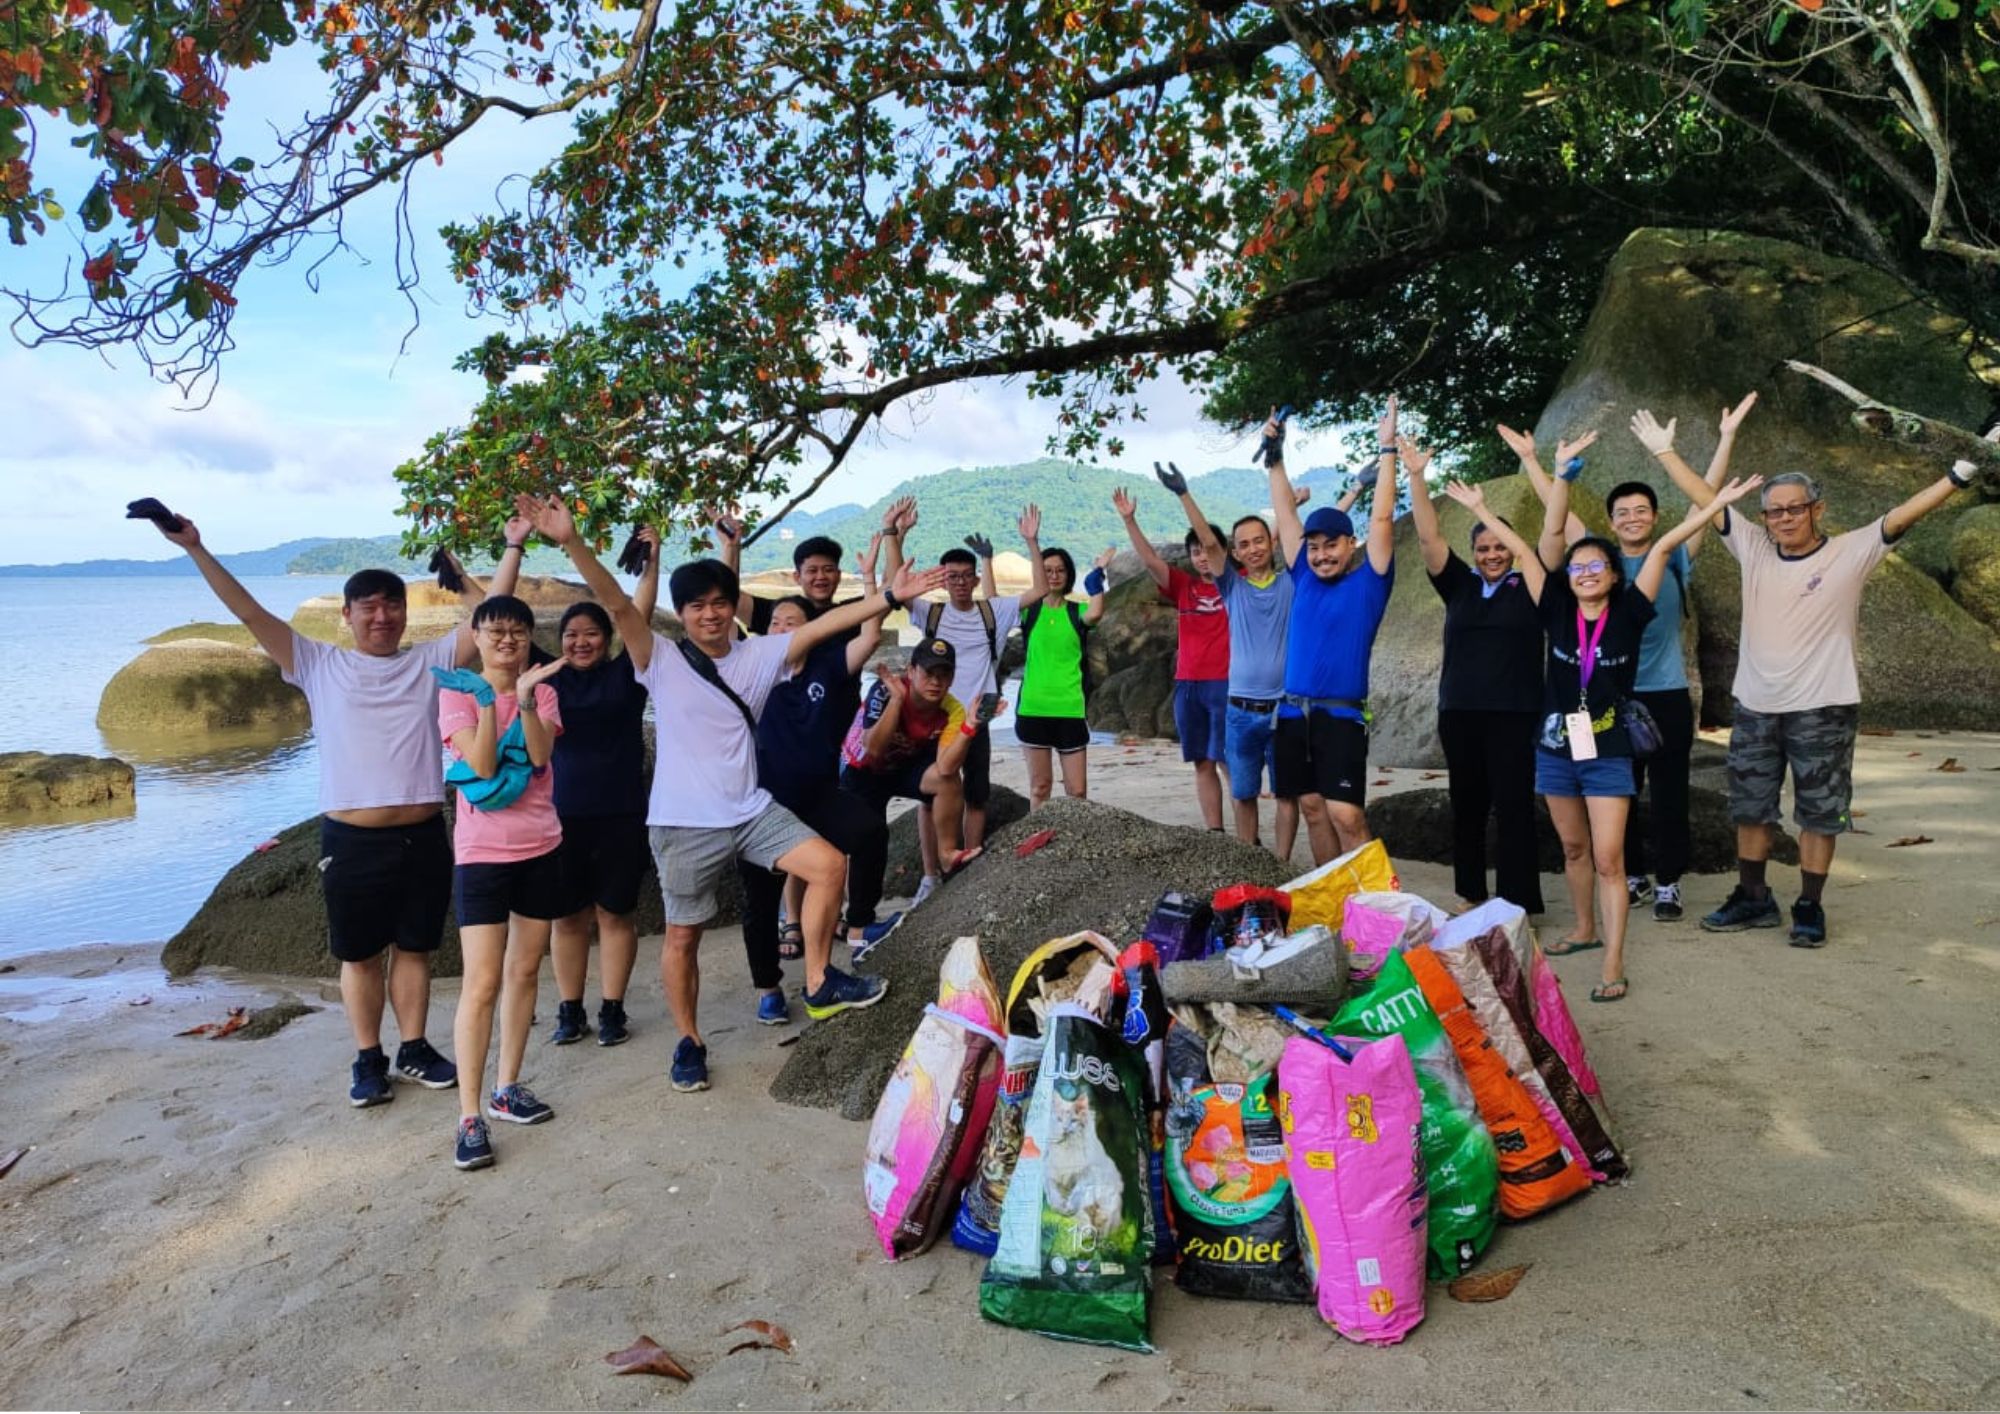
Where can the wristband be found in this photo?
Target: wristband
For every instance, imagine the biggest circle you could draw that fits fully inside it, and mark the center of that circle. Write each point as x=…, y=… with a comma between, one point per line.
x=1385, y=451
x=1962, y=483
x=968, y=729
x=893, y=601
x=1093, y=583
x=1571, y=469
x=512, y=546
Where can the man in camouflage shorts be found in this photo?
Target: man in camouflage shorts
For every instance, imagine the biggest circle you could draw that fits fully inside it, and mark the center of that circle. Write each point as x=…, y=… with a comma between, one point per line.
x=1797, y=688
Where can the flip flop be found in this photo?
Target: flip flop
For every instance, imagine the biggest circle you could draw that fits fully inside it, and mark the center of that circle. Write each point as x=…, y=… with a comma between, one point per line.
x=960, y=860
x=1603, y=991
x=791, y=942
x=1565, y=947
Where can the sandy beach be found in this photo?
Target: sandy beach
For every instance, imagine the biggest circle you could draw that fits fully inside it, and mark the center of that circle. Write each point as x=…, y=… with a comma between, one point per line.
x=1813, y=1220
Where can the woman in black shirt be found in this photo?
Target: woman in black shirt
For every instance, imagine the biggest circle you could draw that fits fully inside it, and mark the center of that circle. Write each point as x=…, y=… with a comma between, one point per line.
x=1489, y=695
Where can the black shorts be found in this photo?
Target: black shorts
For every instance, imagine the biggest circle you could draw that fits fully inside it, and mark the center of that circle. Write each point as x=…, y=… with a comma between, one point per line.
x=975, y=769
x=384, y=886
x=1321, y=755
x=1061, y=734
x=484, y=894
x=604, y=862
x=878, y=788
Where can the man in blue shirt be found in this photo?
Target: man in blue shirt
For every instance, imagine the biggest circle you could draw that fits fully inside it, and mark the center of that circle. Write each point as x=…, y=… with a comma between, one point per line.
x=1340, y=592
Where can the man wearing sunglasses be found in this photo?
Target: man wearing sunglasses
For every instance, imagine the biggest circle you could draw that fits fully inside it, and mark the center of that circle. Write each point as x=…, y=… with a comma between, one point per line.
x=1797, y=689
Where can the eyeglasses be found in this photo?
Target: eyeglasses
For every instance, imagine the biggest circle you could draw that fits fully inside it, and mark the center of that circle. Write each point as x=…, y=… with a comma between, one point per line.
x=962, y=577
x=1584, y=567
x=1788, y=512
x=504, y=635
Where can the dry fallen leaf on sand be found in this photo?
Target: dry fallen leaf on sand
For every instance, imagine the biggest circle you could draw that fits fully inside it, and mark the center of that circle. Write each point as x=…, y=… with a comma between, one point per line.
x=1488, y=1286
x=645, y=1356
x=1877, y=731
x=216, y=1030
x=773, y=1337
x=11, y=1158
x=1907, y=840
x=1950, y=765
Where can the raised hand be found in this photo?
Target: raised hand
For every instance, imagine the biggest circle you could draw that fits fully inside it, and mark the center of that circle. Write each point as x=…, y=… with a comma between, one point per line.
x=906, y=519
x=1105, y=557
x=912, y=583
x=187, y=536
x=1271, y=450
x=1121, y=500
x=980, y=546
x=1566, y=451
x=727, y=524
x=865, y=562
x=534, y=677
x=1522, y=444
x=1654, y=438
x=1301, y=493
x=1031, y=523
x=1385, y=429
x=1471, y=497
x=1170, y=477
x=1732, y=418
x=892, y=678
x=1735, y=490
x=1415, y=458
x=550, y=517
x=517, y=530
x=892, y=513
x=651, y=536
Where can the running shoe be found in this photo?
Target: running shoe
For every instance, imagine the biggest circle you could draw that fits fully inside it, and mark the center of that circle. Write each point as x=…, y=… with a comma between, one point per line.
x=843, y=991
x=925, y=888
x=772, y=1010
x=1808, y=924
x=571, y=1022
x=1639, y=889
x=371, y=1081
x=1667, y=903
x=475, y=1146
x=419, y=1061
x=517, y=1105
x=874, y=934
x=1739, y=911
x=611, y=1030
x=690, y=1069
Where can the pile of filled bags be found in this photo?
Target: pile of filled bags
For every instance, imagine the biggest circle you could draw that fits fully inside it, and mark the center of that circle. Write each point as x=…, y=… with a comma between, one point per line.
x=1322, y=1093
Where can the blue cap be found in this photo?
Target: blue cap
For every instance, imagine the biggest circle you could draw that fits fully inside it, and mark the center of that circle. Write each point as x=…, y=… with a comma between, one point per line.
x=1329, y=521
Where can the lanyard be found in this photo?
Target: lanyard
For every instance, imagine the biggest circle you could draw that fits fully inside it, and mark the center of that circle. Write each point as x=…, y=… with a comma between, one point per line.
x=1586, y=653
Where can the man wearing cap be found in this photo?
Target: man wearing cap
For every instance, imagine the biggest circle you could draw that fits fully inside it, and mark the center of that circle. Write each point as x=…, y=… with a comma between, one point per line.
x=909, y=740
x=1339, y=594
x=1797, y=689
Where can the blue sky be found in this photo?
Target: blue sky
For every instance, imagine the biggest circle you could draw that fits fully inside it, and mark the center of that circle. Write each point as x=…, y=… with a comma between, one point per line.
x=327, y=391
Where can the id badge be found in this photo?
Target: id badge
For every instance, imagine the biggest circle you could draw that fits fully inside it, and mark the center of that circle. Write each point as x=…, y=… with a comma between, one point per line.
x=1582, y=740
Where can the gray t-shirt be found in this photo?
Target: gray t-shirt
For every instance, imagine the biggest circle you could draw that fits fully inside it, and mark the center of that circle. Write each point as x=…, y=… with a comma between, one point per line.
x=1260, y=617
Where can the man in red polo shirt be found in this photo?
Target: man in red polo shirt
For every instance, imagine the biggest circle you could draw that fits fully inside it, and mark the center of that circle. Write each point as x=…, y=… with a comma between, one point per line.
x=1201, y=663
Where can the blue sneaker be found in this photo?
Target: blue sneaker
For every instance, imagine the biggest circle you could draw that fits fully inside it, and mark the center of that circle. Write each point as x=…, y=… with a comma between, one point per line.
x=1740, y=911
x=475, y=1146
x=690, y=1070
x=873, y=935
x=1808, y=924
x=517, y=1105
x=570, y=1024
x=843, y=991
x=611, y=1029
x=772, y=1010
x=419, y=1061
x=371, y=1081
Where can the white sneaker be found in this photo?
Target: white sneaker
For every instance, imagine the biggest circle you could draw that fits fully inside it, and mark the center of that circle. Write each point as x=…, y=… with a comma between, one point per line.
x=1639, y=889
x=924, y=890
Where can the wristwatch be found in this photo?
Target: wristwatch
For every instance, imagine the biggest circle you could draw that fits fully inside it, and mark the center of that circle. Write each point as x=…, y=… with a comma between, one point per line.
x=894, y=602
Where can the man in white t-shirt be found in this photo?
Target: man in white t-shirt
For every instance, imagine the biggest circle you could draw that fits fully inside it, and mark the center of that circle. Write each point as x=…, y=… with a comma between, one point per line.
x=707, y=810
x=385, y=862
x=1797, y=690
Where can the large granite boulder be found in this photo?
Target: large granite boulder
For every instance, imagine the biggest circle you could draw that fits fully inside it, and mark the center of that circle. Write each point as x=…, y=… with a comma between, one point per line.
x=199, y=685
x=34, y=782
x=231, y=632
x=1132, y=651
x=1975, y=564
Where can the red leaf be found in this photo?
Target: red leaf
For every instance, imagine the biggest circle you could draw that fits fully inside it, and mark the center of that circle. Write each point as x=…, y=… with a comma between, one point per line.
x=1032, y=843
x=1486, y=15
x=645, y=1356
x=216, y=1030
x=1809, y=6
x=773, y=1337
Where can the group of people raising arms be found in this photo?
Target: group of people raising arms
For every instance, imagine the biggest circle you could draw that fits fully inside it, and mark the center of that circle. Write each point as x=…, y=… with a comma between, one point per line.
x=1564, y=674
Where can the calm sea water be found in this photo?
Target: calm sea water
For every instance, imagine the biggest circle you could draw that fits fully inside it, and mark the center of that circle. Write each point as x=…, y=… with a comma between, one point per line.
x=201, y=806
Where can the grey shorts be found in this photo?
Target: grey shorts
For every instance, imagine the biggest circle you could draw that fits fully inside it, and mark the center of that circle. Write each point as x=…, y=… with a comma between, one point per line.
x=692, y=859
x=1818, y=747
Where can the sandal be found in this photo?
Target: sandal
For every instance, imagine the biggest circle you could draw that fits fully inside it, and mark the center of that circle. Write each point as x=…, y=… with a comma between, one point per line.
x=1567, y=947
x=791, y=942
x=1610, y=991
x=960, y=860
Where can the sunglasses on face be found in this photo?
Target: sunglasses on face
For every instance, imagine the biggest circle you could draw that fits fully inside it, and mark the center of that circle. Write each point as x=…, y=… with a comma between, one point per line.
x=1584, y=567
x=1788, y=512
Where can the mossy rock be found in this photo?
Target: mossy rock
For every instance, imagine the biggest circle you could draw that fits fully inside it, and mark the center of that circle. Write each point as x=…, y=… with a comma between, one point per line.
x=215, y=633
x=1133, y=649
x=1975, y=564
x=199, y=685
x=38, y=783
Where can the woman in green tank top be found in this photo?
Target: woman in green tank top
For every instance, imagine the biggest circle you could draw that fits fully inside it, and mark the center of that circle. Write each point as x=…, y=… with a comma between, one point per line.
x=1049, y=718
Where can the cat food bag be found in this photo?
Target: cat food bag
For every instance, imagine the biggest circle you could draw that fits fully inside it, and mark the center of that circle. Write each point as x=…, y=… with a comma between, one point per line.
x=1053, y=970
x=1375, y=924
x=1229, y=1198
x=1076, y=1227
x=1536, y=1171
x=1352, y=1150
x=1321, y=896
x=1461, y=1168
x=1179, y=926
x=933, y=1113
x=1144, y=1028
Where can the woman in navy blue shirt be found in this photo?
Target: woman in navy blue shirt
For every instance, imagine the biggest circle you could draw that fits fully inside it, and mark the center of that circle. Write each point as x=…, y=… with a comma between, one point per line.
x=601, y=787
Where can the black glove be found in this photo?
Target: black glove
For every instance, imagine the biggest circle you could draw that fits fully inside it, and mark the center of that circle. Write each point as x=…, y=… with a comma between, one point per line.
x=146, y=508
x=1171, y=478
x=980, y=546
x=449, y=579
x=636, y=555
x=1272, y=448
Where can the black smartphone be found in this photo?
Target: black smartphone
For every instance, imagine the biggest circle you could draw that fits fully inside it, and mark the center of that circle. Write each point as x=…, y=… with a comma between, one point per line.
x=989, y=706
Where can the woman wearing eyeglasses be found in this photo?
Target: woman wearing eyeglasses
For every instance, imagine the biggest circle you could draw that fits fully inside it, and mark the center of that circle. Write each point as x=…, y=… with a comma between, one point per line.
x=1595, y=622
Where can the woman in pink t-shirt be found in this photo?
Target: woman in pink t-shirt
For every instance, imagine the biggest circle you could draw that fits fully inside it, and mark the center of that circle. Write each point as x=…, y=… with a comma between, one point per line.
x=507, y=886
